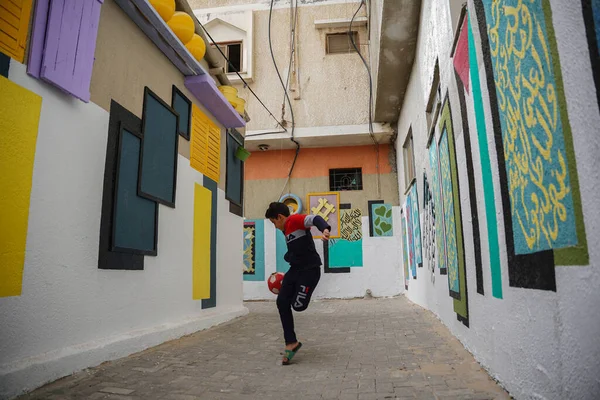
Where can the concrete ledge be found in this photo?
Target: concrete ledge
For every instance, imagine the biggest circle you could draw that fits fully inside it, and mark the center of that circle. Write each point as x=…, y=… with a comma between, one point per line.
x=27, y=374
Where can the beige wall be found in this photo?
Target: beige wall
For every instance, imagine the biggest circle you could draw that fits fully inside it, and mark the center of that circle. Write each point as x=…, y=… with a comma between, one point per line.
x=333, y=88
x=259, y=193
x=126, y=61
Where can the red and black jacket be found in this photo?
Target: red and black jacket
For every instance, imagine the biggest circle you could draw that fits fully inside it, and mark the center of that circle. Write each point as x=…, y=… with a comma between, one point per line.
x=301, y=246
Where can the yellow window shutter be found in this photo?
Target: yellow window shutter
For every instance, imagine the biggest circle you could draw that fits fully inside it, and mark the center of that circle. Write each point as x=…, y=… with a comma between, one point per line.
x=14, y=27
x=205, y=146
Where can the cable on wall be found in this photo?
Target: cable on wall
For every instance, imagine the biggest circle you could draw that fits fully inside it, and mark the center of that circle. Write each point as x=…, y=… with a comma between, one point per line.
x=371, y=133
x=283, y=85
x=245, y=83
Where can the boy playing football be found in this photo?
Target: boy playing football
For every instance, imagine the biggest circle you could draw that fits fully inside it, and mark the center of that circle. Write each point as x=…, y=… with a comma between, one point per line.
x=305, y=268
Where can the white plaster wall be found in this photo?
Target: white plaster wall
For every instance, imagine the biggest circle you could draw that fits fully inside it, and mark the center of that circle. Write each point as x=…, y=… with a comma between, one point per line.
x=380, y=271
x=71, y=315
x=538, y=344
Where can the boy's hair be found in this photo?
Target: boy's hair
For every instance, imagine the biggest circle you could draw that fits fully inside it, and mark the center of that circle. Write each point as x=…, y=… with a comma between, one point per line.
x=275, y=209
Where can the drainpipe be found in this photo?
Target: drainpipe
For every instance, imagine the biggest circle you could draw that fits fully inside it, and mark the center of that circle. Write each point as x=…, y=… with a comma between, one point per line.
x=213, y=57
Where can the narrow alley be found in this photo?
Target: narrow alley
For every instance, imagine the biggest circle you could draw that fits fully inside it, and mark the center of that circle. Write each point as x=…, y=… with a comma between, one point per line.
x=353, y=349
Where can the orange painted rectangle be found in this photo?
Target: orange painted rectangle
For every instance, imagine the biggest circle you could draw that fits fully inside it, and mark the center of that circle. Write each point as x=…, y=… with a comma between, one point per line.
x=316, y=162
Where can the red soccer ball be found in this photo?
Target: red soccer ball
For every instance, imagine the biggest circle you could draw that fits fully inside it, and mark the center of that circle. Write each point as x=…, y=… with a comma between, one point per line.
x=274, y=282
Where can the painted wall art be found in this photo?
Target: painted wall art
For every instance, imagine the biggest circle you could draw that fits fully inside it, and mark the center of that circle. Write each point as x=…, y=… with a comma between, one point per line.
x=542, y=214
x=429, y=226
x=19, y=119
x=254, y=250
x=347, y=251
x=326, y=205
x=382, y=220
x=452, y=213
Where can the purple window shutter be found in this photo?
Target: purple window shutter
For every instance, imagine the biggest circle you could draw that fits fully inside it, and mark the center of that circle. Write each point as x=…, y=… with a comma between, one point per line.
x=68, y=58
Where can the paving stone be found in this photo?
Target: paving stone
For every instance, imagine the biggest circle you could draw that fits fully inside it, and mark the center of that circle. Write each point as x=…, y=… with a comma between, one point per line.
x=353, y=350
x=114, y=390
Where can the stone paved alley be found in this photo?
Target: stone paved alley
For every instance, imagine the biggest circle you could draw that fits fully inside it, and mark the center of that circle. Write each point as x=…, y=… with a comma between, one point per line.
x=353, y=350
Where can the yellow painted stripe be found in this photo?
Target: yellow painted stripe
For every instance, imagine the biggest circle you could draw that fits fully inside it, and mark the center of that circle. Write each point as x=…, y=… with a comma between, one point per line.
x=201, y=252
x=19, y=121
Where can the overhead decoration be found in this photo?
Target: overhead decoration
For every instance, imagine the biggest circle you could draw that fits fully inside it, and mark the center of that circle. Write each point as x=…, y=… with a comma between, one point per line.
x=197, y=47
x=182, y=26
x=164, y=8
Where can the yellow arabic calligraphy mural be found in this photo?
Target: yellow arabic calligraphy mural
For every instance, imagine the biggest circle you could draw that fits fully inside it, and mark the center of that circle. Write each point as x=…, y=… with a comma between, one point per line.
x=542, y=180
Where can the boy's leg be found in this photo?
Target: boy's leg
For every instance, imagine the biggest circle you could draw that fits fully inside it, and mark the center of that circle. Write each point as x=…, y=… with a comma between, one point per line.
x=284, y=305
x=305, y=286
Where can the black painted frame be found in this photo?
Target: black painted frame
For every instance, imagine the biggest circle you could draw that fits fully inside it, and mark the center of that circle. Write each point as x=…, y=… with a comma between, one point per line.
x=369, y=204
x=471, y=182
x=531, y=271
x=177, y=92
x=108, y=259
x=590, y=30
x=115, y=248
x=234, y=207
x=149, y=92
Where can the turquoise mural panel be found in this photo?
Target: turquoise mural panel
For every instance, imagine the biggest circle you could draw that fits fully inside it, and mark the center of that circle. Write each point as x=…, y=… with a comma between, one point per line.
x=280, y=250
x=254, y=249
x=345, y=253
x=437, y=199
x=416, y=223
x=411, y=242
x=382, y=220
x=448, y=211
x=537, y=168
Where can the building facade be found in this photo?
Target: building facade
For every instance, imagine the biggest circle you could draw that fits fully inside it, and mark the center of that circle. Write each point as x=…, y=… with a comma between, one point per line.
x=111, y=239
x=341, y=160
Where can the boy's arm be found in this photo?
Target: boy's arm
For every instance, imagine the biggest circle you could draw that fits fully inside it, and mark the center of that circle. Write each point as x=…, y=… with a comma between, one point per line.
x=318, y=221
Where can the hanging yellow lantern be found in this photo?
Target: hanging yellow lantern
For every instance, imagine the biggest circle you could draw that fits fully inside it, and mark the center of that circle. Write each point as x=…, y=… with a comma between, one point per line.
x=182, y=26
x=164, y=8
x=197, y=47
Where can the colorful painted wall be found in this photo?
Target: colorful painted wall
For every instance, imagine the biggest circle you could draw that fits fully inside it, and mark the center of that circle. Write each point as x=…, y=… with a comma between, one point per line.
x=506, y=189
x=111, y=239
x=364, y=251
x=266, y=175
x=352, y=264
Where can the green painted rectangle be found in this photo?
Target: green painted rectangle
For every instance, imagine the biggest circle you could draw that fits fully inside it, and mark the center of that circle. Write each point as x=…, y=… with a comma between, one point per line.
x=486, y=171
x=345, y=253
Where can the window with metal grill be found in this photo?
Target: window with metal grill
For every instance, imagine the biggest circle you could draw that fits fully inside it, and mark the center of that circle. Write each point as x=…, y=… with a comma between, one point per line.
x=341, y=43
x=345, y=179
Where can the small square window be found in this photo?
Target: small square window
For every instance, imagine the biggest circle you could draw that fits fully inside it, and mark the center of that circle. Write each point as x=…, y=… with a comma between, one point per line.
x=341, y=43
x=233, y=52
x=345, y=179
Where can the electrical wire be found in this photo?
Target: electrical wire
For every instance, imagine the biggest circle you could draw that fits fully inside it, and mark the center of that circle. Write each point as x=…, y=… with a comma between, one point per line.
x=293, y=24
x=243, y=80
x=371, y=133
x=288, y=100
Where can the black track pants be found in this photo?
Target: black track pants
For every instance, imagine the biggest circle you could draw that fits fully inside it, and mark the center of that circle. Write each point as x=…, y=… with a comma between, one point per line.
x=296, y=289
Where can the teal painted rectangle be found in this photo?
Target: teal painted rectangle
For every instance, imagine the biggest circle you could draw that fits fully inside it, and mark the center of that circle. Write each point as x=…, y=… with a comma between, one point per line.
x=539, y=184
x=280, y=250
x=135, y=217
x=213, y=187
x=345, y=253
x=259, y=251
x=437, y=201
x=382, y=220
x=158, y=172
x=449, y=215
x=486, y=170
x=416, y=223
